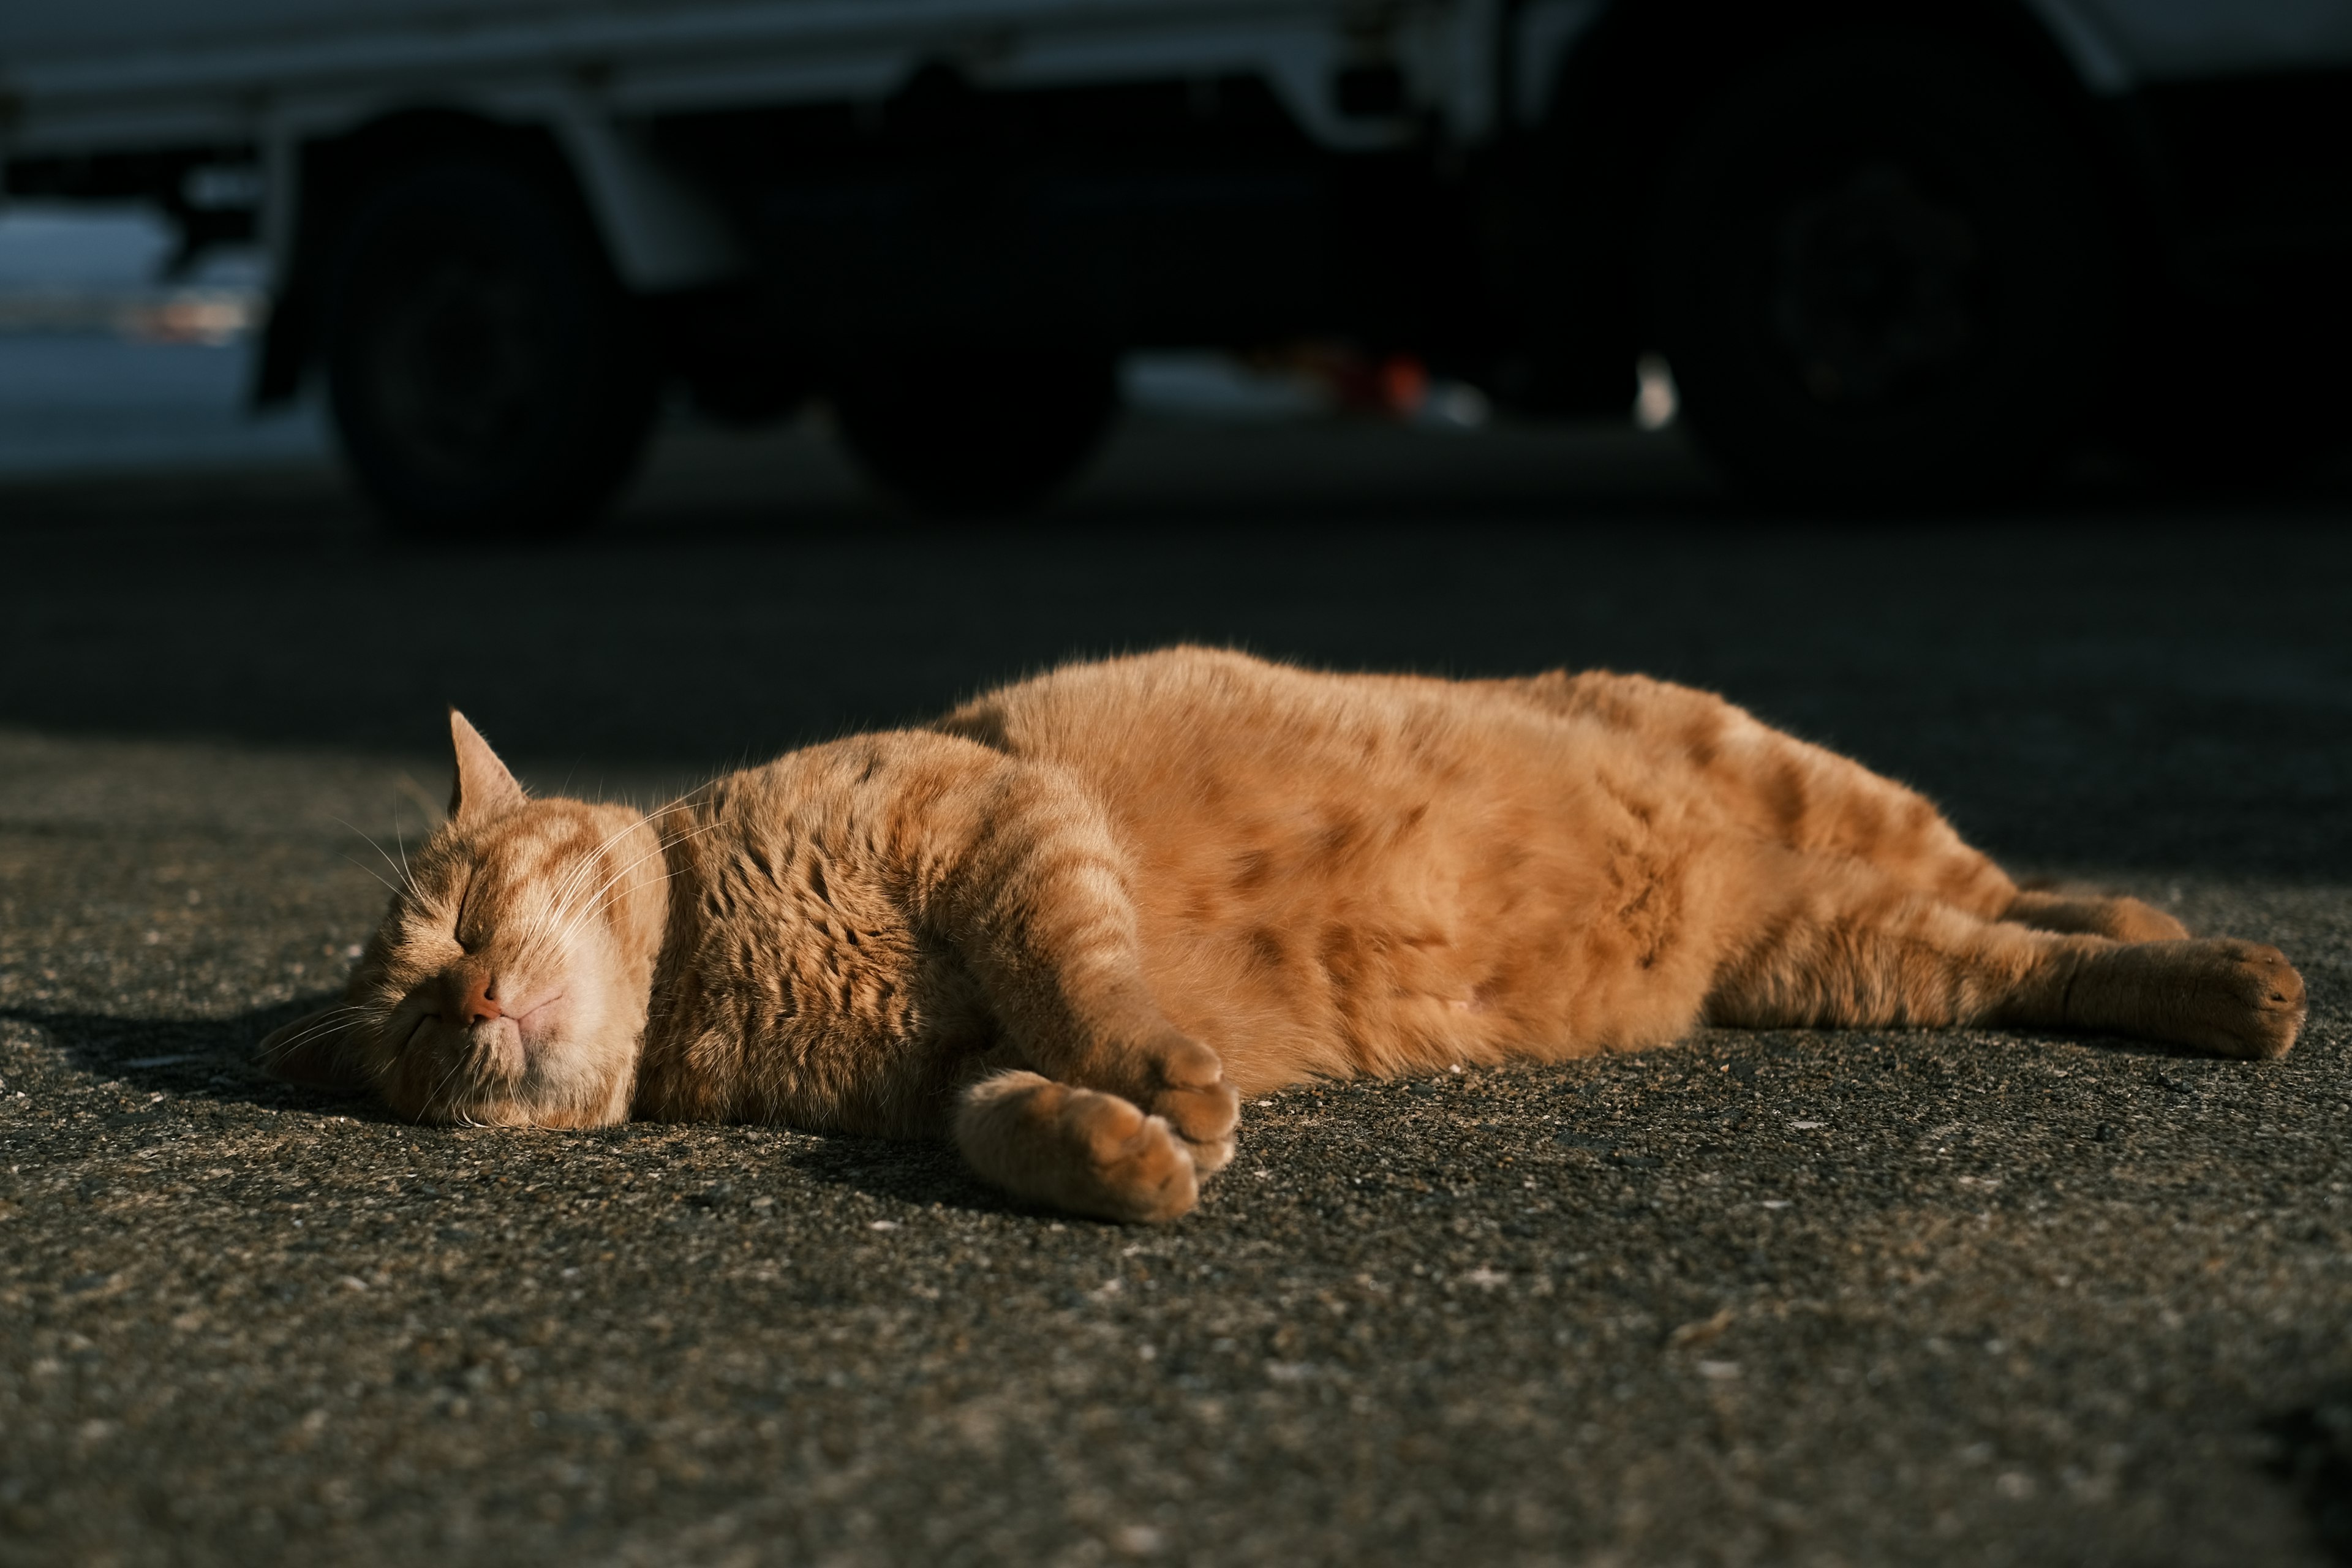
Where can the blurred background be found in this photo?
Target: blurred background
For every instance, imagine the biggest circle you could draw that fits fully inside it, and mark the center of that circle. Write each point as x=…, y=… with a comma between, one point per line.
x=107, y=367
x=110, y=364
x=490, y=258
x=1453, y=338
x=793, y=373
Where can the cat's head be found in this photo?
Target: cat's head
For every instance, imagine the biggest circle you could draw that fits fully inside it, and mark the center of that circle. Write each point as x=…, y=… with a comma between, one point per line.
x=509, y=981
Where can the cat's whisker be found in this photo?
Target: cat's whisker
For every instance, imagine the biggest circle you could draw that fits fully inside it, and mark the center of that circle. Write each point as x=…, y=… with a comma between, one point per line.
x=580, y=872
x=372, y=872
x=325, y=1024
x=591, y=914
x=294, y=1043
x=407, y=877
x=400, y=865
x=340, y=1009
x=565, y=901
x=458, y=1060
x=661, y=846
x=573, y=921
x=573, y=925
x=327, y=1017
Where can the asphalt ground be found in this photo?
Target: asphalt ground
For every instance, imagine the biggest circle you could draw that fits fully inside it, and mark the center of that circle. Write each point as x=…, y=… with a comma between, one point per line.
x=1860, y=1297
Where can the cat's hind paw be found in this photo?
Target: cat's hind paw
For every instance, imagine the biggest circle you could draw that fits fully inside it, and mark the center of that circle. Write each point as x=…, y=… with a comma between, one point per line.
x=2129, y=920
x=2092, y=914
x=2243, y=998
x=2233, y=998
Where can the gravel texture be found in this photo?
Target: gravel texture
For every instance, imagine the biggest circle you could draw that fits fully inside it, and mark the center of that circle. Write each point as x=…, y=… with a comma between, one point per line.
x=1857, y=1298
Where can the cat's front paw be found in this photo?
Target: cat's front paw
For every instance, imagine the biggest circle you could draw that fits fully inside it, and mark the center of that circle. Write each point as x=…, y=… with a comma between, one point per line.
x=1135, y=1168
x=1194, y=1098
x=1077, y=1149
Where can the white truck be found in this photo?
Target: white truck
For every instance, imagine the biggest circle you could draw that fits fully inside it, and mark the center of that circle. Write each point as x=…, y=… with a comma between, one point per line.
x=1886, y=246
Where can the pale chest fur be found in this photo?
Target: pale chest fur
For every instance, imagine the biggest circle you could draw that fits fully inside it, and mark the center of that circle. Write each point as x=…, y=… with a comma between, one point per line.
x=797, y=982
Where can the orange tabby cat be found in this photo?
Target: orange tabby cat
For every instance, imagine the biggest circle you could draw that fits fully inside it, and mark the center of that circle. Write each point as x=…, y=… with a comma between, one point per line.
x=1070, y=923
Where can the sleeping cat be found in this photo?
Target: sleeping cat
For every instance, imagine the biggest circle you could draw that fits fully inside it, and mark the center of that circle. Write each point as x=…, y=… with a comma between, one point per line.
x=1071, y=924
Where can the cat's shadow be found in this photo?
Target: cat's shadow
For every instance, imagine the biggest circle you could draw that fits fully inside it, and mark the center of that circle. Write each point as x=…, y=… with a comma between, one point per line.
x=210, y=1058
x=213, y=1058
x=195, y=1059
x=929, y=1174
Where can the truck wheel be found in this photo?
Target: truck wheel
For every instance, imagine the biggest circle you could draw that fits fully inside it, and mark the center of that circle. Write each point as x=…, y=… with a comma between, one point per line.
x=1881, y=269
x=486, y=372
x=979, y=430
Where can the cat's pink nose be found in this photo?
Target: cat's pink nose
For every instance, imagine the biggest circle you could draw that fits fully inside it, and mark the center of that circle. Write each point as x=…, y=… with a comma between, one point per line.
x=477, y=998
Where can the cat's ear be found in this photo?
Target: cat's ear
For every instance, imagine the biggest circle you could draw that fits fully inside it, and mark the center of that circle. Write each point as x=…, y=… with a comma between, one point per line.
x=316, y=1049
x=484, y=787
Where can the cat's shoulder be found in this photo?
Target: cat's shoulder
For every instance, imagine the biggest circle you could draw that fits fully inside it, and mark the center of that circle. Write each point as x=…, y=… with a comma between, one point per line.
x=857, y=768
x=1124, y=689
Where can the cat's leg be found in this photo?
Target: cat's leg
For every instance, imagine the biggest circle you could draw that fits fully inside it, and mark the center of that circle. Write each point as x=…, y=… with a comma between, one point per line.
x=1816, y=802
x=1041, y=913
x=2217, y=994
x=1076, y=1149
x=2123, y=918
x=1847, y=949
x=1786, y=791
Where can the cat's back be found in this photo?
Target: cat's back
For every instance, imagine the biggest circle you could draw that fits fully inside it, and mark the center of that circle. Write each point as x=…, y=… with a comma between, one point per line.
x=1182, y=722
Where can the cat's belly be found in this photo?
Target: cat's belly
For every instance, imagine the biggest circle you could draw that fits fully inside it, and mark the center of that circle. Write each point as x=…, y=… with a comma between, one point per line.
x=1342, y=875
x=1363, y=930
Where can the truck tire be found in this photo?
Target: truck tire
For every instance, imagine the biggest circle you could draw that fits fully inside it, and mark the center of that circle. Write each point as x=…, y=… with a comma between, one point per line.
x=487, y=376
x=979, y=429
x=1879, y=269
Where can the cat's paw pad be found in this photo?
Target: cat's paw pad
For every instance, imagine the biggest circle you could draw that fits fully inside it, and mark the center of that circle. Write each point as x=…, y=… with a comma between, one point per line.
x=1198, y=1102
x=2234, y=998
x=1137, y=1167
x=2249, y=998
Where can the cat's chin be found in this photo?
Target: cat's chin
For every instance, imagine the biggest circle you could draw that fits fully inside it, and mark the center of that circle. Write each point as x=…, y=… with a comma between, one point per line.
x=560, y=1063
x=497, y=1052
x=496, y=1074
x=599, y=1101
